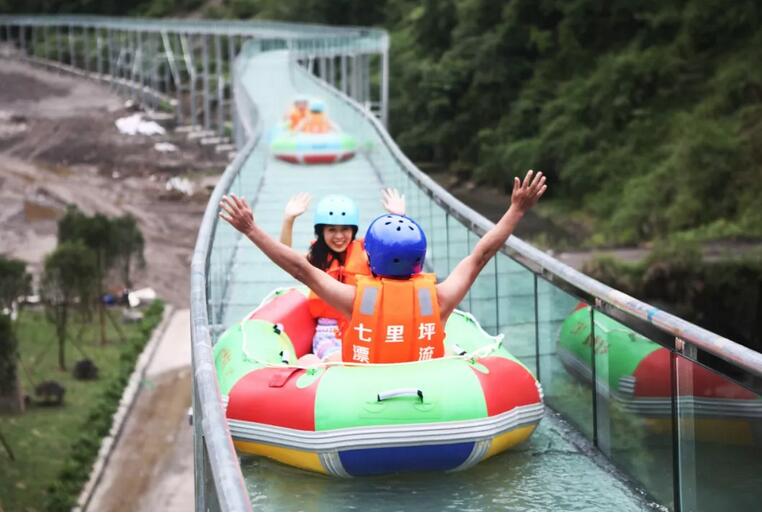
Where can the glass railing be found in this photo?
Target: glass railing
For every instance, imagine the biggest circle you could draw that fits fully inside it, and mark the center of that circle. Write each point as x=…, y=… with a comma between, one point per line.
x=675, y=407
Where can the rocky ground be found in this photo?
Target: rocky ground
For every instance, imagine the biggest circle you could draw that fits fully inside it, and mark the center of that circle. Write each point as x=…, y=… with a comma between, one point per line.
x=59, y=146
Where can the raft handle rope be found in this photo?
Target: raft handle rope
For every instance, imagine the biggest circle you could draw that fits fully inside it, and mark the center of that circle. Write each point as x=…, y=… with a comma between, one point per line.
x=400, y=392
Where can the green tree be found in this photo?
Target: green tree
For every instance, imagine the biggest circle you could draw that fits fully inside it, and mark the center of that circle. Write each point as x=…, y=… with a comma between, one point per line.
x=69, y=282
x=97, y=233
x=129, y=246
x=14, y=281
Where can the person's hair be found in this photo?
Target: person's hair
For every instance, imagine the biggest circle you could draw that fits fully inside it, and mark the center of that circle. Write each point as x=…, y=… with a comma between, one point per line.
x=320, y=254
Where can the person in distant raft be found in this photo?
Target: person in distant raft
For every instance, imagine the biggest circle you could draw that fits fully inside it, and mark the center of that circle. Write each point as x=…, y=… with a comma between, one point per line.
x=298, y=112
x=397, y=314
x=335, y=250
x=316, y=121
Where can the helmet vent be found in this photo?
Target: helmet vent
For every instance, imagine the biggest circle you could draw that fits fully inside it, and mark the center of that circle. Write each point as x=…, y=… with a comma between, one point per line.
x=396, y=260
x=411, y=228
x=330, y=213
x=398, y=228
x=343, y=213
x=387, y=223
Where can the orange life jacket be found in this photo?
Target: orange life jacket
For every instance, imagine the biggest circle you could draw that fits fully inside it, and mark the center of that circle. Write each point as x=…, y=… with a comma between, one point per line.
x=394, y=321
x=315, y=123
x=355, y=263
x=295, y=117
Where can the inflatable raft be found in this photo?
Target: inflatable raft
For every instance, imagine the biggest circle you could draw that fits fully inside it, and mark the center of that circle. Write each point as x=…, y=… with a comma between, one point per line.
x=637, y=376
x=313, y=148
x=354, y=420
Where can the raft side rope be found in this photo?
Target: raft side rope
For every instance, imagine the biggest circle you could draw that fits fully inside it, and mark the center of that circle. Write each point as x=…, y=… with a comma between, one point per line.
x=474, y=355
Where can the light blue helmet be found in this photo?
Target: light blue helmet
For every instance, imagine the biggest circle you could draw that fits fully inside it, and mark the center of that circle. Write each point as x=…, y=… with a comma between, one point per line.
x=337, y=209
x=317, y=106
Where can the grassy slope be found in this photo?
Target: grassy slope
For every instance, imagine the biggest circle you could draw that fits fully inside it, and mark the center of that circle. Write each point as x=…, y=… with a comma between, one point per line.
x=42, y=437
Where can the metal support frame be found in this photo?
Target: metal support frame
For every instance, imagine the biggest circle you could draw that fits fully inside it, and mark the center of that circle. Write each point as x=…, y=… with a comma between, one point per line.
x=22, y=39
x=187, y=49
x=385, y=88
x=85, y=50
x=72, y=48
x=45, y=42
x=231, y=72
x=205, y=81
x=220, y=85
x=99, y=50
x=344, y=81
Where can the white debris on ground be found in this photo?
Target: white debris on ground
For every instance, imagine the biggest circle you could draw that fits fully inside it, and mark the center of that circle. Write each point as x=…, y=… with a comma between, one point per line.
x=135, y=124
x=144, y=295
x=164, y=147
x=179, y=184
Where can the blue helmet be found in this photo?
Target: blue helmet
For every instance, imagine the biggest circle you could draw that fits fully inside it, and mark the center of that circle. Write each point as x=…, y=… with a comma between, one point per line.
x=337, y=209
x=317, y=106
x=396, y=246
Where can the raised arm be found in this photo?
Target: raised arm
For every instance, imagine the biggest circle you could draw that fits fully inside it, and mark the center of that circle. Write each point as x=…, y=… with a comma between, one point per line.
x=237, y=212
x=453, y=289
x=295, y=207
x=393, y=201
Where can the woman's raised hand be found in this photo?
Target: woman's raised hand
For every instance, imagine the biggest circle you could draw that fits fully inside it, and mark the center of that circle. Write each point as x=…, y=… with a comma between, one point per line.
x=297, y=205
x=393, y=201
x=525, y=194
x=237, y=212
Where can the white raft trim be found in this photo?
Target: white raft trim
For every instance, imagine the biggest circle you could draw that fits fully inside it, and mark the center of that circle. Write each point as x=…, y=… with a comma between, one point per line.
x=398, y=435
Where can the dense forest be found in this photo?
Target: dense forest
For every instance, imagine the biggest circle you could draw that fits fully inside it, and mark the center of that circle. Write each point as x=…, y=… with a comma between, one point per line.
x=646, y=115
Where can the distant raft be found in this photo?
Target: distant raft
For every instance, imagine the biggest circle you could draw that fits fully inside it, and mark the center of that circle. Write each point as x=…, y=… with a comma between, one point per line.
x=313, y=148
x=636, y=373
x=354, y=420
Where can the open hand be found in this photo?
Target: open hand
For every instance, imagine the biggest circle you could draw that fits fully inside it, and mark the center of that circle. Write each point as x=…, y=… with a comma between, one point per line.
x=525, y=194
x=393, y=201
x=297, y=205
x=237, y=212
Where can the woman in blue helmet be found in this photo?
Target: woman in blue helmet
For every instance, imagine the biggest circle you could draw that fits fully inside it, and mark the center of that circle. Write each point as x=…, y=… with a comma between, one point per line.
x=396, y=250
x=335, y=250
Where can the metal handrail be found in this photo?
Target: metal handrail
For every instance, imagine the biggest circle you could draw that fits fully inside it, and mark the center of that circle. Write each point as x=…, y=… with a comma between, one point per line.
x=542, y=263
x=253, y=28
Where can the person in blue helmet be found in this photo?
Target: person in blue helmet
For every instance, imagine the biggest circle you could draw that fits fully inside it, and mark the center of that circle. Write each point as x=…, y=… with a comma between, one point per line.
x=335, y=250
x=396, y=250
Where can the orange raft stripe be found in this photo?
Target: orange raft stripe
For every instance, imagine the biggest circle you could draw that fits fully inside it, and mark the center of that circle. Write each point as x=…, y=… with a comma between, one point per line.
x=510, y=439
x=301, y=459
